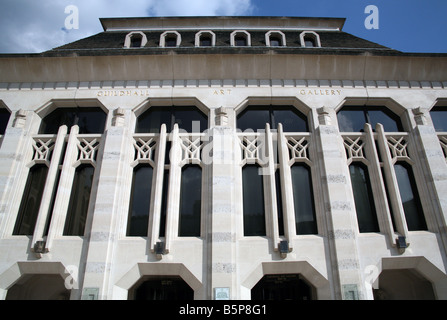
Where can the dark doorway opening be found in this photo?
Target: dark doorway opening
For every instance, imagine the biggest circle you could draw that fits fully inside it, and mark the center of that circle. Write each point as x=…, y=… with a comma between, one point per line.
x=282, y=287
x=163, y=288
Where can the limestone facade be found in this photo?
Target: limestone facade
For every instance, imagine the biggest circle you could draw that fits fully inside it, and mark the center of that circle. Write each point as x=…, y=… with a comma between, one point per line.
x=338, y=262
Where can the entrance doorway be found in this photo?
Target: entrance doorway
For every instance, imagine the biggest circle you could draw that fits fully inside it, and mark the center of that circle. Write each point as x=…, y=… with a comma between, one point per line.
x=403, y=284
x=39, y=287
x=282, y=287
x=163, y=288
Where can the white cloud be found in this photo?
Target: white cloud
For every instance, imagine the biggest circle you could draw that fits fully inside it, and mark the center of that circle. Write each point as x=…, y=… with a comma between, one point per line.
x=202, y=7
x=36, y=26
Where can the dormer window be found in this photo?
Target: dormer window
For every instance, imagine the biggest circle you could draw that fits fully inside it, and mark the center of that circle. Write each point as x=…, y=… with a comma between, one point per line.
x=240, y=38
x=170, y=39
x=310, y=39
x=135, y=39
x=205, y=39
x=275, y=39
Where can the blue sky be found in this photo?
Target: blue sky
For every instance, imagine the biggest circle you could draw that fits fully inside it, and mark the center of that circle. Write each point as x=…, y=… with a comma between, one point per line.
x=406, y=25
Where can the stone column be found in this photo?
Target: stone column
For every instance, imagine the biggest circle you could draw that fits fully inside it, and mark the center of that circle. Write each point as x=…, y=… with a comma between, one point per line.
x=433, y=163
x=340, y=211
x=16, y=146
x=109, y=204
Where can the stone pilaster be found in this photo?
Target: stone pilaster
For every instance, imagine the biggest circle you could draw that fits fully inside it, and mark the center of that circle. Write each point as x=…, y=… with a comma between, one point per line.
x=339, y=212
x=109, y=204
x=222, y=229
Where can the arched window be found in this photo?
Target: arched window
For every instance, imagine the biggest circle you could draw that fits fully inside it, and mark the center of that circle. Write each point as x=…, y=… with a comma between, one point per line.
x=140, y=201
x=188, y=118
x=190, y=201
x=411, y=202
x=170, y=39
x=255, y=117
x=89, y=120
x=353, y=118
x=253, y=201
x=303, y=199
x=310, y=39
x=439, y=118
x=79, y=201
x=135, y=39
x=32, y=196
x=205, y=38
x=363, y=198
x=240, y=38
x=275, y=39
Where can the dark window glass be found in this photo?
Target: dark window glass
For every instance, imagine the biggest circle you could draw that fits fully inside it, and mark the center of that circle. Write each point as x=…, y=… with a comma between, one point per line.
x=240, y=41
x=255, y=117
x=164, y=288
x=205, y=41
x=32, y=196
x=4, y=118
x=188, y=118
x=152, y=119
x=275, y=42
x=52, y=202
x=281, y=287
x=164, y=203
x=89, y=120
x=79, y=201
x=309, y=42
x=190, y=201
x=253, y=201
x=135, y=41
x=303, y=200
x=291, y=119
x=363, y=198
x=439, y=118
x=279, y=203
x=171, y=41
x=353, y=119
x=140, y=201
x=410, y=197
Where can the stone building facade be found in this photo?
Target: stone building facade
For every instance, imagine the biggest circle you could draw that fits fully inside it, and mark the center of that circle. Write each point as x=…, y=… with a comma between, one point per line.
x=223, y=158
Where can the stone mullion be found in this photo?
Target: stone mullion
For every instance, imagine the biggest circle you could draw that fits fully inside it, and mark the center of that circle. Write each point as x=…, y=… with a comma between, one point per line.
x=286, y=188
x=173, y=203
x=391, y=181
x=378, y=187
x=157, y=190
x=49, y=187
x=64, y=189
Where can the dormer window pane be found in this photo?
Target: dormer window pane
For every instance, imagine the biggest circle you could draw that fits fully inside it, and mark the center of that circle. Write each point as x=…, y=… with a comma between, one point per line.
x=309, y=43
x=240, y=41
x=135, y=41
x=205, y=42
x=275, y=42
x=170, y=42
